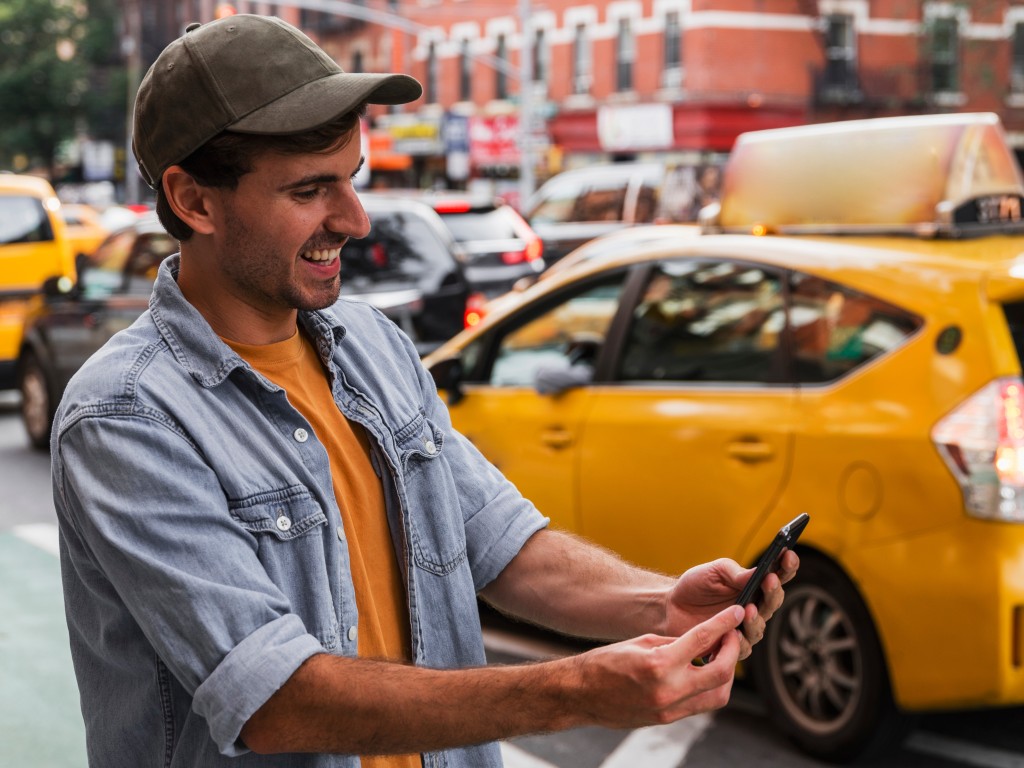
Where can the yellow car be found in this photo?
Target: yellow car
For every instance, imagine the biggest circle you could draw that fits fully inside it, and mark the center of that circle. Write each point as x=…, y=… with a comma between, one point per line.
x=844, y=339
x=84, y=227
x=33, y=247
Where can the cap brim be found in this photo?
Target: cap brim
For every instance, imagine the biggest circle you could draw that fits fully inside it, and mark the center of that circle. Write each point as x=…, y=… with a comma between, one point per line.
x=320, y=101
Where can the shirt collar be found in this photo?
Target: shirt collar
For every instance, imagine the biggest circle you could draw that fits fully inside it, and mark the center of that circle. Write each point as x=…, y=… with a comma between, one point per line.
x=195, y=345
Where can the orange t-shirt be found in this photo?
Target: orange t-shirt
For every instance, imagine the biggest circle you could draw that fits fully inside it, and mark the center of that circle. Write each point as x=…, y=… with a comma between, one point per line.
x=380, y=594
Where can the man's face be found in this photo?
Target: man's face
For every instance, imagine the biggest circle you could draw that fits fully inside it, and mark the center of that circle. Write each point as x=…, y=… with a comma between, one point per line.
x=279, y=234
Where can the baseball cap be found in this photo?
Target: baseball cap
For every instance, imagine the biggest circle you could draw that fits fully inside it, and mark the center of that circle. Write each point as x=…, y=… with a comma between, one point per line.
x=248, y=74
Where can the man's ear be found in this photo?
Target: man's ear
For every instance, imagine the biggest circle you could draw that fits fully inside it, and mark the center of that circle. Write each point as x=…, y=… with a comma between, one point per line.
x=189, y=200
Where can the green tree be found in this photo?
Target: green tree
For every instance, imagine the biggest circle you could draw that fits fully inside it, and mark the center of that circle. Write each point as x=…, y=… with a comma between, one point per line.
x=59, y=75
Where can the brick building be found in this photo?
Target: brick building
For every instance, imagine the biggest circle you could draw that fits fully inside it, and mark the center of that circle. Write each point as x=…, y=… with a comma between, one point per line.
x=674, y=79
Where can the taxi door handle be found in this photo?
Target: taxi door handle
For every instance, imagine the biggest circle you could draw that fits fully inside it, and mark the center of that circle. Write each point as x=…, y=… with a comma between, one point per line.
x=556, y=438
x=750, y=451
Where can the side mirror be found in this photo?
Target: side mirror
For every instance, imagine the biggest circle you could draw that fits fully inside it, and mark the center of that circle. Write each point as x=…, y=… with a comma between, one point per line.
x=552, y=380
x=447, y=375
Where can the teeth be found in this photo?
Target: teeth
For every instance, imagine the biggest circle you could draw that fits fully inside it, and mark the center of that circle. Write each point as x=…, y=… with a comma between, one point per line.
x=325, y=256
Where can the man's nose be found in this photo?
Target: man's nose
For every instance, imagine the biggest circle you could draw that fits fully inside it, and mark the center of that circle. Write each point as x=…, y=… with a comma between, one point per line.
x=348, y=216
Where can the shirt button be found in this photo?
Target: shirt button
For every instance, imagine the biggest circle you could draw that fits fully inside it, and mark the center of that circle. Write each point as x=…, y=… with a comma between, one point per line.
x=283, y=523
x=431, y=448
x=341, y=533
x=300, y=435
x=352, y=634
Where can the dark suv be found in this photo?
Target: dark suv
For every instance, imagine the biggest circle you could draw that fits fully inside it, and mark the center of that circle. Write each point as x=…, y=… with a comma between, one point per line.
x=501, y=248
x=409, y=267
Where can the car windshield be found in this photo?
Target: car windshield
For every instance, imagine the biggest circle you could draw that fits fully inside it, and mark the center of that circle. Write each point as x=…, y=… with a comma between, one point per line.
x=23, y=220
x=480, y=225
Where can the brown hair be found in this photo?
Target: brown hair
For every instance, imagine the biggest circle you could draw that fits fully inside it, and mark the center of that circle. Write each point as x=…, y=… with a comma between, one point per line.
x=224, y=159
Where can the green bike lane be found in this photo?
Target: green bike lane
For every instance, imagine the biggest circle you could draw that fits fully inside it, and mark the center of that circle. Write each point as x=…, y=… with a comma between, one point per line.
x=40, y=721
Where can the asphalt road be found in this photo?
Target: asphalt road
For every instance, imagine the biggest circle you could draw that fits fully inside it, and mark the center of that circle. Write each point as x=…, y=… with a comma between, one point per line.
x=40, y=724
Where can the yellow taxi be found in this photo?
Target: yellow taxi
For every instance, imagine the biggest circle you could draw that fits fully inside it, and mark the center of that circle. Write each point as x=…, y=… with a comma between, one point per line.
x=844, y=338
x=84, y=227
x=33, y=247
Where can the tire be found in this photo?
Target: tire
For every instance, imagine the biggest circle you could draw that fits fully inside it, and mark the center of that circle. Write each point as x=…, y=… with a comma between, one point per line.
x=821, y=669
x=37, y=406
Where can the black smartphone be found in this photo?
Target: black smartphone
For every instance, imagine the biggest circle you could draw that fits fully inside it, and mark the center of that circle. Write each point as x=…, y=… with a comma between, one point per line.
x=784, y=539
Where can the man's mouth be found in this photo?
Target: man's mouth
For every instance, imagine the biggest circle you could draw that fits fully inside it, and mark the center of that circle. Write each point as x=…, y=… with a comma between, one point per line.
x=322, y=255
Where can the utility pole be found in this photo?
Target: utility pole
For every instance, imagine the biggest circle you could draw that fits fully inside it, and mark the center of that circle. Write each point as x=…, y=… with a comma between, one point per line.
x=526, y=112
x=131, y=46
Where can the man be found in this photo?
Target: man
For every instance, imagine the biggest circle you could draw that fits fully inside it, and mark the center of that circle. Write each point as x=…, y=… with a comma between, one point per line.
x=272, y=538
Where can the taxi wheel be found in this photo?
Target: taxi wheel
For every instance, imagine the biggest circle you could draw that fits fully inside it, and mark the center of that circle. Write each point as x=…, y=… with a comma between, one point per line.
x=36, y=403
x=821, y=669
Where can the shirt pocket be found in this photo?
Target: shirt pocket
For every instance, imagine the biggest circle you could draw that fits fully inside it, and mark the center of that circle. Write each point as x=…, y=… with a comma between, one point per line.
x=290, y=531
x=435, y=515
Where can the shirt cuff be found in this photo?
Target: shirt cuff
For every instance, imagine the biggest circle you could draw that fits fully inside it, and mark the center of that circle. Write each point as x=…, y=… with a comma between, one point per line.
x=249, y=675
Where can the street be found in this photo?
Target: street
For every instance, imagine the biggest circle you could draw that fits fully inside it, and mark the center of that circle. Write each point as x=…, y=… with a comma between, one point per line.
x=40, y=724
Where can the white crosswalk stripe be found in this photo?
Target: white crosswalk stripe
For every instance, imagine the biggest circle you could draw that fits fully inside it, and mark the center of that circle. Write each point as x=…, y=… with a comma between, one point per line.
x=514, y=757
x=659, y=746
x=42, y=535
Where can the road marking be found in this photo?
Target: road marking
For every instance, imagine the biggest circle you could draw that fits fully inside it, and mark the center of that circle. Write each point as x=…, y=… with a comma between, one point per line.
x=659, y=746
x=42, y=535
x=514, y=757
x=963, y=751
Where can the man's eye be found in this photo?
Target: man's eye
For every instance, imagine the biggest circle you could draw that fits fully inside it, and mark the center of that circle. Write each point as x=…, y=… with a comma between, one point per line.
x=307, y=194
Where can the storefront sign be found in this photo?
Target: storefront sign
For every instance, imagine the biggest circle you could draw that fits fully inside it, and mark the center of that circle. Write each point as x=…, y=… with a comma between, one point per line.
x=494, y=140
x=634, y=127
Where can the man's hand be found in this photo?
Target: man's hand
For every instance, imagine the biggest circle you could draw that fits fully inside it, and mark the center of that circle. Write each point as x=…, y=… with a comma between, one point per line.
x=704, y=590
x=651, y=680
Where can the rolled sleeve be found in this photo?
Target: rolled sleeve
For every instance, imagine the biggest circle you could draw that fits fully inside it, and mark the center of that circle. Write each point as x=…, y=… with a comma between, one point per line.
x=248, y=676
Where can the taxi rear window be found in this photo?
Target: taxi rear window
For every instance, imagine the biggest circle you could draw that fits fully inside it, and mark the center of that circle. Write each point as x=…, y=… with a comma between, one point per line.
x=23, y=220
x=1014, y=312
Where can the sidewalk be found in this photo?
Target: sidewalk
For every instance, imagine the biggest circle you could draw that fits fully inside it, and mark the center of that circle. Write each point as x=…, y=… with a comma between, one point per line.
x=40, y=721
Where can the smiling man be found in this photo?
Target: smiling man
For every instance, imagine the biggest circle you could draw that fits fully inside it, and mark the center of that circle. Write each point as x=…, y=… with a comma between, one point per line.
x=272, y=540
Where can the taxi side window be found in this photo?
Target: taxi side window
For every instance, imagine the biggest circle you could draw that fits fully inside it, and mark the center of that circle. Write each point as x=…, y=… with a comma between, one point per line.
x=565, y=337
x=836, y=329
x=707, y=321
x=150, y=250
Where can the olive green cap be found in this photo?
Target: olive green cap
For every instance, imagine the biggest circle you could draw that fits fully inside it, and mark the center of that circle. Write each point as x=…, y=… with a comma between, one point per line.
x=247, y=74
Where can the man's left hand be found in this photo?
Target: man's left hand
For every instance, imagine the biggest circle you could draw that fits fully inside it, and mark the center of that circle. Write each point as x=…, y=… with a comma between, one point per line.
x=704, y=590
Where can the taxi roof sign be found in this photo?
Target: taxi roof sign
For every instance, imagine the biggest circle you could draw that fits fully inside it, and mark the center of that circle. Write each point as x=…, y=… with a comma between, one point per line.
x=924, y=175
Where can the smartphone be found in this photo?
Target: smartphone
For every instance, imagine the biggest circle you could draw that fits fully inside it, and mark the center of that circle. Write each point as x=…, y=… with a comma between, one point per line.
x=784, y=539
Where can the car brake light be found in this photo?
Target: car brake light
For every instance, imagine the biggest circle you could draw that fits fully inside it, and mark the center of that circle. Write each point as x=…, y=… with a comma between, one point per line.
x=474, y=309
x=982, y=443
x=513, y=257
x=452, y=206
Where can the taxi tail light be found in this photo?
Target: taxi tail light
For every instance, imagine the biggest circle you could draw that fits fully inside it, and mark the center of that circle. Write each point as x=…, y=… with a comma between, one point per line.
x=474, y=310
x=982, y=443
x=533, y=248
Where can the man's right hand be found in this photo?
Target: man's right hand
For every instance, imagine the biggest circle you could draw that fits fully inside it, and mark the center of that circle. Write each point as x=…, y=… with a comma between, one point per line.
x=651, y=680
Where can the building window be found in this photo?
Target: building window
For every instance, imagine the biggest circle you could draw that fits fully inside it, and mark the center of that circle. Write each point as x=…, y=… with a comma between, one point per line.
x=672, y=71
x=625, y=55
x=541, y=56
x=944, y=44
x=357, y=61
x=1017, y=66
x=840, y=53
x=580, y=60
x=500, y=76
x=465, y=72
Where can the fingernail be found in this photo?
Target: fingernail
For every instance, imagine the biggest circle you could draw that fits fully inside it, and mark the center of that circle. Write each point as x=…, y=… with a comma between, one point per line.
x=737, y=614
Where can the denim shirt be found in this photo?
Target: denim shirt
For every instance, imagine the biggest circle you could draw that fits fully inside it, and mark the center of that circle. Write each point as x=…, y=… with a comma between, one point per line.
x=202, y=552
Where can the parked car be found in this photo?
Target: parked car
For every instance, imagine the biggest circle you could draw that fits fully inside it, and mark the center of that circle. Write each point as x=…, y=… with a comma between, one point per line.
x=578, y=205
x=33, y=247
x=409, y=267
x=500, y=246
x=845, y=339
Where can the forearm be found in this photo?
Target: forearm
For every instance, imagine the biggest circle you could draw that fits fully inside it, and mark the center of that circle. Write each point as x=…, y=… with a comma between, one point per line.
x=572, y=586
x=342, y=705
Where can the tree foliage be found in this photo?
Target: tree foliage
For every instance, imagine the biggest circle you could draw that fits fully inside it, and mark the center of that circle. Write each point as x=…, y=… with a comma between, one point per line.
x=60, y=75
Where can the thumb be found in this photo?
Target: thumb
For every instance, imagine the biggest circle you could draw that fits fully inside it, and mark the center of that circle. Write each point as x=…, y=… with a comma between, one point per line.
x=704, y=637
